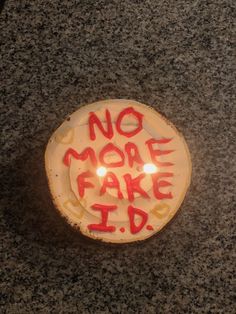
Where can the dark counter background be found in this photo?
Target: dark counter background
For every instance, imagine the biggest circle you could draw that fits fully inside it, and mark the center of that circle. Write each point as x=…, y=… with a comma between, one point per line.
x=177, y=56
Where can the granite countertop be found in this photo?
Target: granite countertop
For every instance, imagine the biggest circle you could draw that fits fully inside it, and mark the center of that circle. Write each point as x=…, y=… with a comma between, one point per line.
x=174, y=55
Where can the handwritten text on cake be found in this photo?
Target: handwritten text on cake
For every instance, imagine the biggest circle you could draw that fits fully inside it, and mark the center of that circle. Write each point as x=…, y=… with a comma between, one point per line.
x=130, y=156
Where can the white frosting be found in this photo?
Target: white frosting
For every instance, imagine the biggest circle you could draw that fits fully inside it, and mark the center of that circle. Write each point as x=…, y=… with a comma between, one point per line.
x=63, y=180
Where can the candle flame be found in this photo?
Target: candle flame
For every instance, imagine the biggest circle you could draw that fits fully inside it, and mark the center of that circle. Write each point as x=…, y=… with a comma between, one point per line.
x=101, y=171
x=150, y=168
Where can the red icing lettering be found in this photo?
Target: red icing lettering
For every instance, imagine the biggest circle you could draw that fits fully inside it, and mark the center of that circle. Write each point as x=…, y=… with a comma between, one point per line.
x=133, y=154
x=122, y=229
x=93, y=119
x=132, y=211
x=108, y=149
x=133, y=185
x=157, y=152
x=111, y=181
x=87, y=153
x=157, y=184
x=105, y=209
x=82, y=184
x=136, y=114
x=149, y=227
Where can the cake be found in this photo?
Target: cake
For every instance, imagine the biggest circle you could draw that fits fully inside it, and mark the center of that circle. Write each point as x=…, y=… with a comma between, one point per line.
x=118, y=171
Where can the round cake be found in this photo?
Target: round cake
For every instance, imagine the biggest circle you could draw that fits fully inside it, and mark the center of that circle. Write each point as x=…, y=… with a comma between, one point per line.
x=118, y=171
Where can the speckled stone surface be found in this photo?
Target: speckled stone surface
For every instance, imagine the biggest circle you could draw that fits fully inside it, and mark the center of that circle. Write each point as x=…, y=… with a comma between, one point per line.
x=177, y=56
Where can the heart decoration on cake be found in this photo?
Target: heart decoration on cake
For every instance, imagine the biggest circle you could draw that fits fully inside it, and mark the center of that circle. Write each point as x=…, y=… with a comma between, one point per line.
x=65, y=137
x=118, y=171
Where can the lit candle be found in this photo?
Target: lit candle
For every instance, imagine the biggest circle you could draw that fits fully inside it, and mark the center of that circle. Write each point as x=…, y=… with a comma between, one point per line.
x=150, y=168
x=101, y=171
